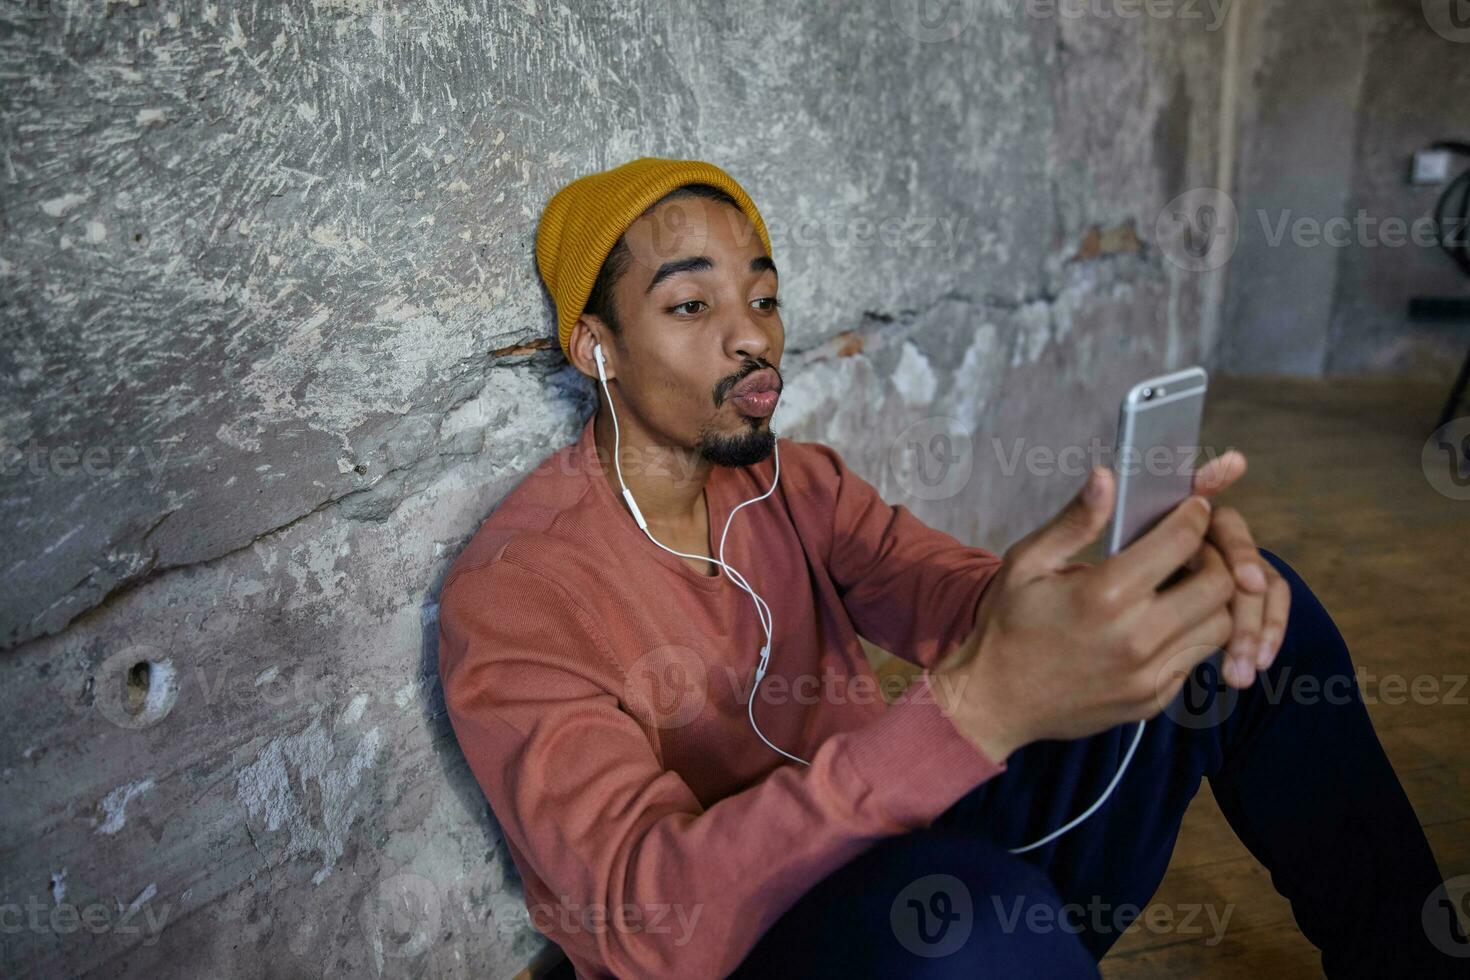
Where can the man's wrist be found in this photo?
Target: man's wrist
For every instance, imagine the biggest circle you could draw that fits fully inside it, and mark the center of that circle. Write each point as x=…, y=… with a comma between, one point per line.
x=967, y=707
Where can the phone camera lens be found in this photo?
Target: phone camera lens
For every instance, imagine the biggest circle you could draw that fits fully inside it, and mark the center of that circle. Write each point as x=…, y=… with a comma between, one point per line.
x=1148, y=394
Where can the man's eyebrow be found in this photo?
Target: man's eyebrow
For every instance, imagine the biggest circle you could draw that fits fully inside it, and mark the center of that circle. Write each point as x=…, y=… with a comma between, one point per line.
x=699, y=263
x=761, y=263
x=696, y=263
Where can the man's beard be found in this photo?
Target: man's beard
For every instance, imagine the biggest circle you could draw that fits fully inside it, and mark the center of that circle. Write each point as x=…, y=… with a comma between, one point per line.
x=742, y=449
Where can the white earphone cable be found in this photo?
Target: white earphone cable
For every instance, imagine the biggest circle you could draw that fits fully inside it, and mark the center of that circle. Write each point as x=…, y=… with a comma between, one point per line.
x=762, y=610
x=1127, y=757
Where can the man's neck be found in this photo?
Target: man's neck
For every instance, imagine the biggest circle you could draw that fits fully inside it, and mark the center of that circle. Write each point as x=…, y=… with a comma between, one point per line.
x=667, y=481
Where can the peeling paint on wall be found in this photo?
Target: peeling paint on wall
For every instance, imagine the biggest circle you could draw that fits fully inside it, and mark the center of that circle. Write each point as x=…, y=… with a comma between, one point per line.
x=115, y=805
x=274, y=789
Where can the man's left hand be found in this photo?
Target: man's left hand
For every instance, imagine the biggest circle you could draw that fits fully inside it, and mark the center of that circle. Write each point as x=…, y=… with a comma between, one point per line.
x=1262, y=597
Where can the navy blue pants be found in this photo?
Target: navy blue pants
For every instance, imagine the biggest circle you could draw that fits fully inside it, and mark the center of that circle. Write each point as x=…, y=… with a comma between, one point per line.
x=1296, y=768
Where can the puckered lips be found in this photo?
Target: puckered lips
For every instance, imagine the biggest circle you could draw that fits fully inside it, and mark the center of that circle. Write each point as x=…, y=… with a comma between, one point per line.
x=756, y=395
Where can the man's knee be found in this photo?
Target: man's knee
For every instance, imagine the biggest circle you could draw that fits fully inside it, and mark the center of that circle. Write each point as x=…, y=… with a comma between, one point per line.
x=1313, y=666
x=1300, y=591
x=1293, y=578
x=965, y=907
x=938, y=902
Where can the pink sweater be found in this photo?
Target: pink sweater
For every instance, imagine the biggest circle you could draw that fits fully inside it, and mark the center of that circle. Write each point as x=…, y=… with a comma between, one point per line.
x=598, y=686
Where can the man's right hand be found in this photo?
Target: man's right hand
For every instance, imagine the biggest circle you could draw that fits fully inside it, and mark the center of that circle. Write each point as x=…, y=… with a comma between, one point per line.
x=1064, y=650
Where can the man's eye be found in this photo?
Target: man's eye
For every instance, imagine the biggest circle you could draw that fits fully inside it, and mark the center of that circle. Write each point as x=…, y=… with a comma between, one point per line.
x=686, y=307
x=772, y=303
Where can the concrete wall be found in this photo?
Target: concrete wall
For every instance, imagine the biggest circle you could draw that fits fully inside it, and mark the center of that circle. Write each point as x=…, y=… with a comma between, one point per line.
x=1338, y=98
x=274, y=346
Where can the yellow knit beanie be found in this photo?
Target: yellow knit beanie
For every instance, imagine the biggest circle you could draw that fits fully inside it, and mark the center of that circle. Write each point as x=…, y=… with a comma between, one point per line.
x=583, y=221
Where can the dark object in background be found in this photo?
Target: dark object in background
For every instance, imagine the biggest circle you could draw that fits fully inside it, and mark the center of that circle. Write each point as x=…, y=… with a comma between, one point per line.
x=562, y=971
x=1446, y=310
x=1453, y=222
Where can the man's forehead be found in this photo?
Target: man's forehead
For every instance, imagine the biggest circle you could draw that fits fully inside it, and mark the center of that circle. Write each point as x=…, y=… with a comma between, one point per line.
x=696, y=219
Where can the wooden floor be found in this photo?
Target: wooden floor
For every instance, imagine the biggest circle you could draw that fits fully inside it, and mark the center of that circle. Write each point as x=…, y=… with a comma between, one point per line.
x=1335, y=487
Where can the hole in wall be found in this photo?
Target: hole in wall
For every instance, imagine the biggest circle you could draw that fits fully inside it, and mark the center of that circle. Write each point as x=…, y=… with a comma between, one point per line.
x=135, y=697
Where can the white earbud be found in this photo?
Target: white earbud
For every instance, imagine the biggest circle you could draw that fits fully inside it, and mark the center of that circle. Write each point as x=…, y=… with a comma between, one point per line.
x=762, y=610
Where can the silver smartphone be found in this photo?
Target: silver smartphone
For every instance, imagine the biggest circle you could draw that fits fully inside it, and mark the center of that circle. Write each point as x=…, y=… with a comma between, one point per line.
x=1156, y=451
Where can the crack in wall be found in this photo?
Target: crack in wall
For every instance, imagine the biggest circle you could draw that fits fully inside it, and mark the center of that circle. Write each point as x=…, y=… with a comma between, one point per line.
x=875, y=325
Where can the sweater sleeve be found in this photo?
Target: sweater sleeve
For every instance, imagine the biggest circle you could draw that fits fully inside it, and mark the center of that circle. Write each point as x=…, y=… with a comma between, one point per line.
x=912, y=589
x=613, y=836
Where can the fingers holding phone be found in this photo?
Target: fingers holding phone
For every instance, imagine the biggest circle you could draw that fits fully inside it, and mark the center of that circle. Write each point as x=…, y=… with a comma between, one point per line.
x=1064, y=650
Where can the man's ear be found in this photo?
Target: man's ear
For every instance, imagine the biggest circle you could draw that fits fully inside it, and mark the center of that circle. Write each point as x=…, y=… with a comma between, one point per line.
x=585, y=334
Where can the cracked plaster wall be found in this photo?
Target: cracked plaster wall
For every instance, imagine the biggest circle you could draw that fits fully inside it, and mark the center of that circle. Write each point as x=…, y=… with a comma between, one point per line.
x=274, y=346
